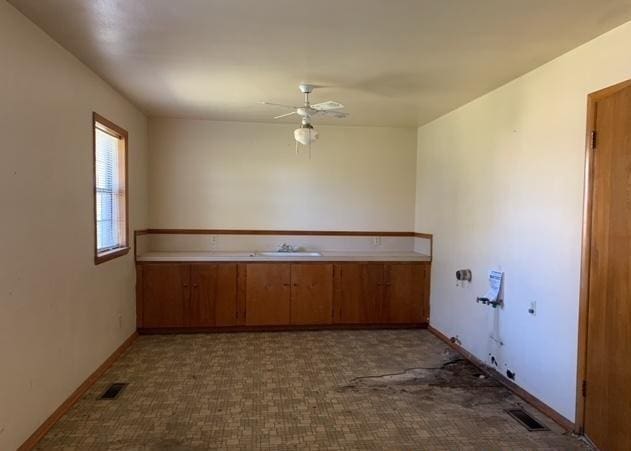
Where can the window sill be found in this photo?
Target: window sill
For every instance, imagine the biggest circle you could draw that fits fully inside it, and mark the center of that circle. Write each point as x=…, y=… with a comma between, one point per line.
x=110, y=255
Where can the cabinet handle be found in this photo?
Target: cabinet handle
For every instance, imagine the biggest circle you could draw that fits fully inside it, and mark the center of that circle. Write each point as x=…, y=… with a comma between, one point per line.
x=295, y=285
x=195, y=285
x=286, y=284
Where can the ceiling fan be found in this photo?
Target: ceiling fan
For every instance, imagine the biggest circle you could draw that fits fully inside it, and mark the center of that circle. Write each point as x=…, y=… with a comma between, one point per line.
x=306, y=134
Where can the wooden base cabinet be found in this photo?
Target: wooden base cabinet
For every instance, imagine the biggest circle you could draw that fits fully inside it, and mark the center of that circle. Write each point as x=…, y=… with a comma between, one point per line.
x=406, y=293
x=165, y=289
x=311, y=294
x=288, y=294
x=187, y=295
x=381, y=293
x=358, y=293
x=213, y=295
x=270, y=294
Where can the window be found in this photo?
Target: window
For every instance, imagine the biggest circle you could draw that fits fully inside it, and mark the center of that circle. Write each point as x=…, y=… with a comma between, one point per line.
x=110, y=190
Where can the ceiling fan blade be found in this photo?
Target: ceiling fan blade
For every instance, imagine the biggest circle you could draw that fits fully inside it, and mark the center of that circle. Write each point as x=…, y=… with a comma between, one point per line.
x=327, y=106
x=284, y=115
x=337, y=114
x=279, y=104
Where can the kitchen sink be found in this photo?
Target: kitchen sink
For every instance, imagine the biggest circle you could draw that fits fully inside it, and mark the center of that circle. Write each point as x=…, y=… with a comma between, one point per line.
x=289, y=254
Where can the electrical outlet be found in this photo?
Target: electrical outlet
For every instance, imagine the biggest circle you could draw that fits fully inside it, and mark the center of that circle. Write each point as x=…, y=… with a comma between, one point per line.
x=533, y=308
x=213, y=241
x=376, y=241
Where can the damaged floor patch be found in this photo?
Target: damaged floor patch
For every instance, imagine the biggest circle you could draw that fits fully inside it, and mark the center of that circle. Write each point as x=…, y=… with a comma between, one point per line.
x=457, y=373
x=454, y=383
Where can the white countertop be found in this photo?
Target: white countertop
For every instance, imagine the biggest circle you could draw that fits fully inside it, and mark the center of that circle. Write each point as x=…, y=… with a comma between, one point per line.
x=192, y=256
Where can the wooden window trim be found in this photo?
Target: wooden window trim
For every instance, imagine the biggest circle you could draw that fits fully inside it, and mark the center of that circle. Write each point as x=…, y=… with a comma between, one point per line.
x=110, y=254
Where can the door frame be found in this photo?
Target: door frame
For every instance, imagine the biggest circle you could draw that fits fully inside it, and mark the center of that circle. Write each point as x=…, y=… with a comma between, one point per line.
x=592, y=100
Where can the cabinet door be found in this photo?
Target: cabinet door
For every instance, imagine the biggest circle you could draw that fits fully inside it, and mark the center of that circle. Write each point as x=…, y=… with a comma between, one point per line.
x=358, y=293
x=226, y=311
x=347, y=293
x=311, y=293
x=165, y=289
x=214, y=295
x=268, y=293
x=405, y=293
x=371, y=308
x=201, y=308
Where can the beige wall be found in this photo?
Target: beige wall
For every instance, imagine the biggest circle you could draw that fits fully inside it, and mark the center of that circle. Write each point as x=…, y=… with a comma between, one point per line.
x=206, y=174
x=62, y=316
x=500, y=183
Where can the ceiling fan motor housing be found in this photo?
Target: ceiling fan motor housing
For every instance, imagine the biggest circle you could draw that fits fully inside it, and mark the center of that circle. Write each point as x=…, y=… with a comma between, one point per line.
x=305, y=88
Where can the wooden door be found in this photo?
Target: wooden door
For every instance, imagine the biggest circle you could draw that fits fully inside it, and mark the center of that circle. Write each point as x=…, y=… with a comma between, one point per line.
x=347, y=293
x=371, y=307
x=268, y=292
x=607, y=362
x=165, y=292
x=311, y=293
x=405, y=293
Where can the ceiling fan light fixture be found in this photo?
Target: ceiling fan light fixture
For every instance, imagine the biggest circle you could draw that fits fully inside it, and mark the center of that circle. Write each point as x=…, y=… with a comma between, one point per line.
x=306, y=134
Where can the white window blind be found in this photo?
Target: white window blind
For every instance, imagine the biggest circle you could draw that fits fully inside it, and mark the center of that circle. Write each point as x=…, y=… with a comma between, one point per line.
x=110, y=190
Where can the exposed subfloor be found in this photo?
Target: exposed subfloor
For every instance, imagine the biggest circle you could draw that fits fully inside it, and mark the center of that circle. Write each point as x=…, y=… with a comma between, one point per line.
x=300, y=391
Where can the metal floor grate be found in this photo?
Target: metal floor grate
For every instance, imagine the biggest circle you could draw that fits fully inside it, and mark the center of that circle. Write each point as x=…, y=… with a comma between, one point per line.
x=526, y=420
x=113, y=390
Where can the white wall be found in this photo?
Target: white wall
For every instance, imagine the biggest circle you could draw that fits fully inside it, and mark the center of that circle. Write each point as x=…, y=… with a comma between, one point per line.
x=60, y=312
x=500, y=182
x=206, y=174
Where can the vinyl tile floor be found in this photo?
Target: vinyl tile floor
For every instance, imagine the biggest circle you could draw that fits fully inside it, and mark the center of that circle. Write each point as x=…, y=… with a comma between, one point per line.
x=315, y=390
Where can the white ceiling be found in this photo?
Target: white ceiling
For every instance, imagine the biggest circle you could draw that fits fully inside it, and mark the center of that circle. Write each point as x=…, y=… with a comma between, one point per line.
x=391, y=62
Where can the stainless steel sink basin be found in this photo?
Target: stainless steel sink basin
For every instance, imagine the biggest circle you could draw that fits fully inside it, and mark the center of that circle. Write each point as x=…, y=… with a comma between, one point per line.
x=289, y=254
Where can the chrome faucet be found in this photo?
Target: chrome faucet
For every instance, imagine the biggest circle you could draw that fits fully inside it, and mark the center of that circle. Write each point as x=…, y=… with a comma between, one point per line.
x=286, y=248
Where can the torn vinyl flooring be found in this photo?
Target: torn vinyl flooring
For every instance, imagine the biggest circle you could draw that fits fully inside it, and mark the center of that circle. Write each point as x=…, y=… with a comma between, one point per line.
x=315, y=390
